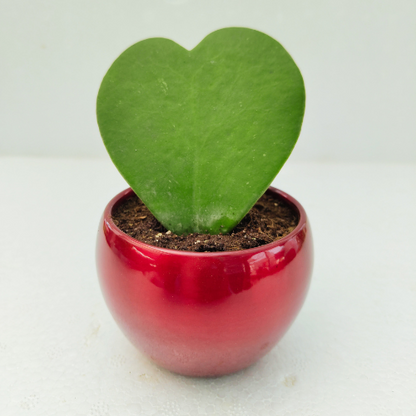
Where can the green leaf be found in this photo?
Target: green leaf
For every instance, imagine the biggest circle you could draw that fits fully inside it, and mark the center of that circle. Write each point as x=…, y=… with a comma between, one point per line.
x=199, y=135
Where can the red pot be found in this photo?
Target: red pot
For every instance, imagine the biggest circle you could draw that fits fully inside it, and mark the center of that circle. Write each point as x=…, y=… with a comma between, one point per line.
x=204, y=314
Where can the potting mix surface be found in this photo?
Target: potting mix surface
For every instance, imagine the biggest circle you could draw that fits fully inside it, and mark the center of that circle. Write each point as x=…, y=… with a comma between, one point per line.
x=270, y=219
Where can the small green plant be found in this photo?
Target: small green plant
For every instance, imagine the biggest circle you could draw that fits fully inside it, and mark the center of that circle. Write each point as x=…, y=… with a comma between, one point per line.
x=199, y=135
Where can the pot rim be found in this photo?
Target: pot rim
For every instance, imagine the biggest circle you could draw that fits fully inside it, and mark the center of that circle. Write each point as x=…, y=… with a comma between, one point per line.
x=108, y=221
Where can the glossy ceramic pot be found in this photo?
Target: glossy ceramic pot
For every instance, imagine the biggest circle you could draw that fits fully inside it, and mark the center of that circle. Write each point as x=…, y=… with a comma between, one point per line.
x=204, y=314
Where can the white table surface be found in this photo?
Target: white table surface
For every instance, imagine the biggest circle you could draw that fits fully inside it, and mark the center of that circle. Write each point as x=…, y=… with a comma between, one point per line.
x=351, y=351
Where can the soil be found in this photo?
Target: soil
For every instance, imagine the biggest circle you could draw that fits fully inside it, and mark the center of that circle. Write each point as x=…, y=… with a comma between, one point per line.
x=270, y=219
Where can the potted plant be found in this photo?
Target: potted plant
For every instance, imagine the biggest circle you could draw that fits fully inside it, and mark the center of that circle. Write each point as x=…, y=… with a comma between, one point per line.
x=199, y=136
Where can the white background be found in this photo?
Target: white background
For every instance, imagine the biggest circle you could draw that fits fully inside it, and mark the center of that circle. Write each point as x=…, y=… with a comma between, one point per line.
x=352, y=349
x=358, y=59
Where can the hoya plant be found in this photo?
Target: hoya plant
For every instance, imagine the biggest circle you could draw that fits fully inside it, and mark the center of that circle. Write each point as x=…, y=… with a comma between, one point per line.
x=199, y=135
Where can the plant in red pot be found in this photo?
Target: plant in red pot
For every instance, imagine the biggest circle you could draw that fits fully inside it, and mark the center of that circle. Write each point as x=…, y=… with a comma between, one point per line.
x=199, y=136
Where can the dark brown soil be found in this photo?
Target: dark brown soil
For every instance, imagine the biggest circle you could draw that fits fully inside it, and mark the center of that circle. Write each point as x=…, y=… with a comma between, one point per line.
x=270, y=219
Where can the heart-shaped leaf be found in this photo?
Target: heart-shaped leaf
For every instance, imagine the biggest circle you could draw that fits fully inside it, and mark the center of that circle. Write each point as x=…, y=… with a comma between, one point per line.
x=199, y=135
